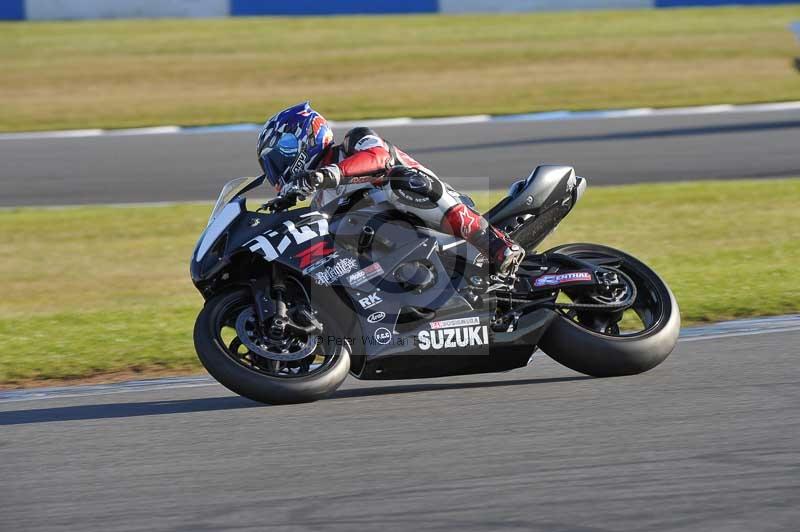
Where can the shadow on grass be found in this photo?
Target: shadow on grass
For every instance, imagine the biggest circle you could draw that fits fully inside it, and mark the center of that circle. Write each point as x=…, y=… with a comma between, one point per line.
x=212, y=404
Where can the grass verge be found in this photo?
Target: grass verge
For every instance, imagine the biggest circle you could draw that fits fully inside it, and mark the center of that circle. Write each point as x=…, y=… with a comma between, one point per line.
x=96, y=290
x=59, y=75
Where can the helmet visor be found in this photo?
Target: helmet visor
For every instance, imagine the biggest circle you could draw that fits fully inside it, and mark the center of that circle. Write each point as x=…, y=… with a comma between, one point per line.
x=277, y=159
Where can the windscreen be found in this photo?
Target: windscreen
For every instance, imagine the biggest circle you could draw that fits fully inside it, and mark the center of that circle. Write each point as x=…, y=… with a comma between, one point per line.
x=231, y=189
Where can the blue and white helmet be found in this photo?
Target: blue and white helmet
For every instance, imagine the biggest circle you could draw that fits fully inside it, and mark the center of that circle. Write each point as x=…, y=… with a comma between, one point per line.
x=292, y=142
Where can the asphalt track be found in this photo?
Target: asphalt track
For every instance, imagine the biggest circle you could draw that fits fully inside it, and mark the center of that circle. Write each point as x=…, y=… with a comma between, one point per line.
x=174, y=167
x=707, y=441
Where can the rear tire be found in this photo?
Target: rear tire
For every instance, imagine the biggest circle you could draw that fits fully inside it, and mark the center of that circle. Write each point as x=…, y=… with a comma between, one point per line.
x=215, y=357
x=603, y=355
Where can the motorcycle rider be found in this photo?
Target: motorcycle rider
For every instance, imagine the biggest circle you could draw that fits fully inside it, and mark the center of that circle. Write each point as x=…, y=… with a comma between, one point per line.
x=297, y=145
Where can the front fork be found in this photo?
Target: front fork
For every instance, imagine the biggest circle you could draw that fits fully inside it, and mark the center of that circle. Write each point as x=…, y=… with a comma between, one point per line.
x=266, y=306
x=272, y=309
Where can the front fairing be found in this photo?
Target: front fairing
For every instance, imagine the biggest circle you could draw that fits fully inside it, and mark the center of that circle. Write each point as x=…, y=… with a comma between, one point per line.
x=211, y=253
x=208, y=255
x=237, y=235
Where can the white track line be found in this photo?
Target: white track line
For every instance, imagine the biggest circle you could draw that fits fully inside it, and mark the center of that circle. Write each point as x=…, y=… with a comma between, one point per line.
x=171, y=383
x=422, y=122
x=733, y=335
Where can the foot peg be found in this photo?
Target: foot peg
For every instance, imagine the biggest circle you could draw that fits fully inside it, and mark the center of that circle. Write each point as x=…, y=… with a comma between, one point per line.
x=511, y=261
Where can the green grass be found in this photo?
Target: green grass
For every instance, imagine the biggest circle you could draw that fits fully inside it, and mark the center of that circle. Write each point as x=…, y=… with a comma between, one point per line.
x=134, y=73
x=96, y=290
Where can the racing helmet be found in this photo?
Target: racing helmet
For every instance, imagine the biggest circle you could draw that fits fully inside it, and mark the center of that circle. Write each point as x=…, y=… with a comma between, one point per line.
x=291, y=142
x=356, y=135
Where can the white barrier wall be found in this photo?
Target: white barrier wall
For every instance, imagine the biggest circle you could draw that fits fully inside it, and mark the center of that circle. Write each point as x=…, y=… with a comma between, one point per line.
x=88, y=9
x=508, y=6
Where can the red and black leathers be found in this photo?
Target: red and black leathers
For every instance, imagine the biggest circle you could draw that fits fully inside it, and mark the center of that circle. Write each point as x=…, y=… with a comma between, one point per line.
x=365, y=159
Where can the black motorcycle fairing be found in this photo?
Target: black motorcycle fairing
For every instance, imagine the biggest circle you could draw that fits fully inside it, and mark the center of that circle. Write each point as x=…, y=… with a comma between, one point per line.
x=545, y=187
x=306, y=242
x=536, y=205
x=403, y=301
x=211, y=253
x=406, y=311
x=506, y=351
x=440, y=323
x=437, y=331
x=390, y=314
x=292, y=238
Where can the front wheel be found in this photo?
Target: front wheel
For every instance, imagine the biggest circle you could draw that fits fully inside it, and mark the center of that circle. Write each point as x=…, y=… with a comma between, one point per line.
x=304, y=369
x=603, y=344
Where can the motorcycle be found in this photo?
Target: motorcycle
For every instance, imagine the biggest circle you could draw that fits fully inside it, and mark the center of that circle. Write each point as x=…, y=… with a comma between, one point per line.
x=298, y=297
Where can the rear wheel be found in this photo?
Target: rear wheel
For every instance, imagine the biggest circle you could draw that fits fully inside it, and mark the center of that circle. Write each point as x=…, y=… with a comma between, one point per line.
x=295, y=369
x=604, y=343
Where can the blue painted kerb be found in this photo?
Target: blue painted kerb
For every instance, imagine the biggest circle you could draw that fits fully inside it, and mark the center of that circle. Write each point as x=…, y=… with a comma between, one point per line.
x=12, y=9
x=334, y=7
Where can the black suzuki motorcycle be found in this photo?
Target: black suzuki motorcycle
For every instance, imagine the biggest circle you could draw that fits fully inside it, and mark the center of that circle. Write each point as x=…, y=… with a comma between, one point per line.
x=297, y=297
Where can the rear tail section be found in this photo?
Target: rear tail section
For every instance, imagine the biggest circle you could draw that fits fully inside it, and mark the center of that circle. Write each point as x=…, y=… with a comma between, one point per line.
x=536, y=205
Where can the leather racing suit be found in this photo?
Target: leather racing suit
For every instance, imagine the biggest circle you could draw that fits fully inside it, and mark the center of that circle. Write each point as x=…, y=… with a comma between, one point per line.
x=365, y=159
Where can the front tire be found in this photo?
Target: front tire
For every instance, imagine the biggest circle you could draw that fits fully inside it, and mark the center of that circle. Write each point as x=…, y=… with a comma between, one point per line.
x=217, y=357
x=600, y=354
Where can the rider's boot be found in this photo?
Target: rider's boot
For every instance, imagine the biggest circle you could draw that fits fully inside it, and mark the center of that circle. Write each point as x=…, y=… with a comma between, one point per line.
x=504, y=254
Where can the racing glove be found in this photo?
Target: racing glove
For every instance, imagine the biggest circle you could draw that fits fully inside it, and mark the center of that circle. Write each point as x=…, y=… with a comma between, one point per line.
x=308, y=183
x=325, y=177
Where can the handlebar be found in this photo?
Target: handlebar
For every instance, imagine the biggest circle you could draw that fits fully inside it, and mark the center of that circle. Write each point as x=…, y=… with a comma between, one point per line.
x=286, y=199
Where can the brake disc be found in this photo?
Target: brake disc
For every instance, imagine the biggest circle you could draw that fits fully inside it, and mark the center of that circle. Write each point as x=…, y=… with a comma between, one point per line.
x=247, y=333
